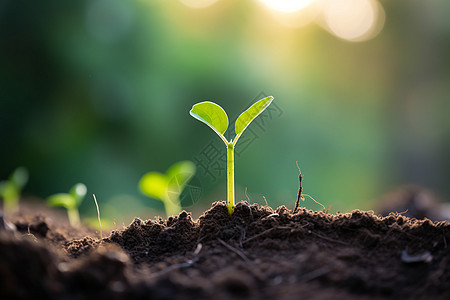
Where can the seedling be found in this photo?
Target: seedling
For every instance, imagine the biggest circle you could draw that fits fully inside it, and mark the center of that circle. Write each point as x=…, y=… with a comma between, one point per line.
x=168, y=187
x=10, y=189
x=98, y=216
x=215, y=117
x=71, y=201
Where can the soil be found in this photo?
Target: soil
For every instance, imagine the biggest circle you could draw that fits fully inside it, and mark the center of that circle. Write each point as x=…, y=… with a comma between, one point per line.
x=256, y=253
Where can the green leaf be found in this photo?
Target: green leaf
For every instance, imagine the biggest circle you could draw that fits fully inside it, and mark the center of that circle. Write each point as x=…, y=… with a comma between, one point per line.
x=212, y=115
x=155, y=185
x=9, y=190
x=78, y=192
x=250, y=114
x=184, y=169
x=64, y=200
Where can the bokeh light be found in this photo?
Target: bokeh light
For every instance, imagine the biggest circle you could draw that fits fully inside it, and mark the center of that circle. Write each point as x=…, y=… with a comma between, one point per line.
x=287, y=5
x=198, y=3
x=353, y=20
x=299, y=18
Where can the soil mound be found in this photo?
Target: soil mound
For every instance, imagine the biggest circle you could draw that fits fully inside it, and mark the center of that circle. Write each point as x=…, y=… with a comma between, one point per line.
x=256, y=253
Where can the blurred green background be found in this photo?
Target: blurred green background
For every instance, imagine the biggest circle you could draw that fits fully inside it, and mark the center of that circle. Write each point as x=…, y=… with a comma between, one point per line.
x=99, y=92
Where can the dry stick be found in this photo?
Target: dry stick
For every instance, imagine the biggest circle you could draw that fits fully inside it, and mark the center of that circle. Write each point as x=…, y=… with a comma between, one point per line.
x=258, y=235
x=270, y=216
x=238, y=252
x=187, y=264
x=265, y=200
x=300, y=189
x=98, y=215
x=300, y=192
x=329, y=239
x=265, y=232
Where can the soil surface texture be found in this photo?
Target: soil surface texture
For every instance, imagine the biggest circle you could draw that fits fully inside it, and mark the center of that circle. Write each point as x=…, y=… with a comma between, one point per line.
x=256, y=253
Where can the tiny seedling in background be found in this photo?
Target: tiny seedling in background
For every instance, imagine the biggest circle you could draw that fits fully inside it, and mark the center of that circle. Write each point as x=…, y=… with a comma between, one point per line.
x=71, y=201
x=98, y=216
x=168, y=187
x=215, y=117
x=10, y=189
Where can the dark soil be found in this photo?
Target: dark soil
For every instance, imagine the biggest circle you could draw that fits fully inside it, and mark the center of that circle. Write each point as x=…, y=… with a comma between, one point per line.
x=257, y=253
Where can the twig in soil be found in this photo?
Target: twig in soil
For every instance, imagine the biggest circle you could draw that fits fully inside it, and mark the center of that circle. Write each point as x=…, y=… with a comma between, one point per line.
x=300, y=189
x=258, y=235
x=98, y=215
x=265, y=200
x=237, y=251
x=270, y=216
x=300, y=192
x=329, y=239
x=264, y=233
x=187, y=264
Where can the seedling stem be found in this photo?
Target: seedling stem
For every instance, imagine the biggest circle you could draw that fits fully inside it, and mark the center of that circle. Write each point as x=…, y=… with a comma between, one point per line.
x=74, y=216
x=230, y=176
x=10, y=190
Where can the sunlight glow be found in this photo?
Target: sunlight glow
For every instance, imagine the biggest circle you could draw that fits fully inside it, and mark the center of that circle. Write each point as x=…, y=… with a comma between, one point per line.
x=354, y=20
x=198, y=3
x=287, y=5
x=300, y=18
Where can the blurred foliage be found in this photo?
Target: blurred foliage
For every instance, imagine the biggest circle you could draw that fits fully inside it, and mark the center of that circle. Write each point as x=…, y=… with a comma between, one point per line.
x=10, y=189
x=87, y=88
x=168, y=187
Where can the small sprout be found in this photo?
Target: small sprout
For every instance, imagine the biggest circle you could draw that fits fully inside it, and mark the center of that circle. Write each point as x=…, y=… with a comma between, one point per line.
x=215, y=117
x=98, y=216
x=71, y=201
x=168, y=187
x=10, y=189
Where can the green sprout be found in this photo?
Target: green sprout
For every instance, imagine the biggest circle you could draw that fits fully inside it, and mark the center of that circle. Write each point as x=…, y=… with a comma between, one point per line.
x=10, y=189
x=168, y=187
x=215, y=117
x=71, y=201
